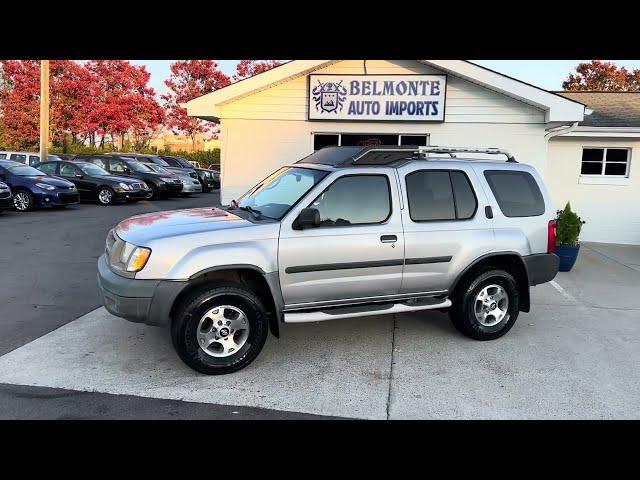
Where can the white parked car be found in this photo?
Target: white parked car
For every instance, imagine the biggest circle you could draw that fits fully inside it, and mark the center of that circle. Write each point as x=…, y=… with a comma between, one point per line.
x=29, y=158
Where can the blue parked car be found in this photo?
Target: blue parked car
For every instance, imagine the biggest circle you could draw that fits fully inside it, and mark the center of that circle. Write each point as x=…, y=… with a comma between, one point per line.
x=32, y=188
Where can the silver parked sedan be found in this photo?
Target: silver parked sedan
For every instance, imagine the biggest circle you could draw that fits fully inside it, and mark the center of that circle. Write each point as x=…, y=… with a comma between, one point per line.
x=189, y=185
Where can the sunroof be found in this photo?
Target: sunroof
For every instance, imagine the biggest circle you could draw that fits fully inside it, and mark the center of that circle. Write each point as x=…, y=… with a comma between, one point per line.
x=333, y=156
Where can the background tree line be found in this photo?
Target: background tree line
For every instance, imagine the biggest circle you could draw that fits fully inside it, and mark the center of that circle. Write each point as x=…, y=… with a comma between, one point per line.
x=107, y=104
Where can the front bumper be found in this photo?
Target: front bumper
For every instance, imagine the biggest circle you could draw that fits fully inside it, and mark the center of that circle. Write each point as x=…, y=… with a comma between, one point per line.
x=6, y=200
x=132, y=194
x=139, y=301
x=65, y=197
x=541, y=267
x=171, y=188
x=190, y=187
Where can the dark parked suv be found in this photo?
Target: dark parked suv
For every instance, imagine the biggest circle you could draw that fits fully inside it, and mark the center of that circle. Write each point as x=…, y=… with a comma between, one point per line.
x=209, y=179
x=160, y=185
x=95, y=183
x=32, y=188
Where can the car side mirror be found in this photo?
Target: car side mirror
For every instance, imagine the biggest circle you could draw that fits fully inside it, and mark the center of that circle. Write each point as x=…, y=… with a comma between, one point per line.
x=308, y=218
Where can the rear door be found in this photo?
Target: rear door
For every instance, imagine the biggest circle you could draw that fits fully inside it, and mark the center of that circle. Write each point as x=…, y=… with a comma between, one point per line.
x=444, y=222
x=357, y=251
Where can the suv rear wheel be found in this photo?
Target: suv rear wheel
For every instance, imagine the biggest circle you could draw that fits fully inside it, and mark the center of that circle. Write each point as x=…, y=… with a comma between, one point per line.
x=485, y=306
x=220, y=329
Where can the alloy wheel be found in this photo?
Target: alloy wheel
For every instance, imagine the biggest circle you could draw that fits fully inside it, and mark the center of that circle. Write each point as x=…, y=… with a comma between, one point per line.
x=223, y=331
x=21, y=201
x=491, y=305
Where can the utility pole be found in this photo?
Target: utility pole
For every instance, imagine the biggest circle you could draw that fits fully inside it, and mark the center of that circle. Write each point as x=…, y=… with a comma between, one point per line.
x=44, y=109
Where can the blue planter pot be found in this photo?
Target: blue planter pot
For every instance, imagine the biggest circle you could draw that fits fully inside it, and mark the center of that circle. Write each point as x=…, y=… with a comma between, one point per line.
x=568, y=256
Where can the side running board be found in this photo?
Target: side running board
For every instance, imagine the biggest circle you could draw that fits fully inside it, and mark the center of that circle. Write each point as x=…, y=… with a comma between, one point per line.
x=365, y=310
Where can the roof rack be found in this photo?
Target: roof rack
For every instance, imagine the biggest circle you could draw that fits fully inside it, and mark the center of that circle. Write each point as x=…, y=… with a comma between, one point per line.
x=452, y=151
x=380, y=155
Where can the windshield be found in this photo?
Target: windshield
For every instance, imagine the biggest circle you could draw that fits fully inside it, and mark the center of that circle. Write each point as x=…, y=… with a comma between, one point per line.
x=93, y=170
x=279, y=192
x=184, y=163
x=136, y=166
x=159, y=161
x=158, y=168
x=25, y=171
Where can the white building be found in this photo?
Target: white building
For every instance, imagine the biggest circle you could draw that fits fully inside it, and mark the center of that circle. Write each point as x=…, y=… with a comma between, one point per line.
x=282, y=115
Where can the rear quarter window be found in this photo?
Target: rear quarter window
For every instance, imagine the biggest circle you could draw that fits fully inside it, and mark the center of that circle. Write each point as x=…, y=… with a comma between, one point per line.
x=517, y=193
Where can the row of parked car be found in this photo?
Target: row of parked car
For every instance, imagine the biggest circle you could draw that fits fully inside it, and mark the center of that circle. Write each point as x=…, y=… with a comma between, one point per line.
x=61, y=180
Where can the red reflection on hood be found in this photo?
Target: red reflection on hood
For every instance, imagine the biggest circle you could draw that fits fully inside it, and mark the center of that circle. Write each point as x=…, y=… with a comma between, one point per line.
x=151, y=218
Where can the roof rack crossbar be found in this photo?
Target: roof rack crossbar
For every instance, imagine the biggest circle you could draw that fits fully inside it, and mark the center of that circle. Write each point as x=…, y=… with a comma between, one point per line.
x=452, y=151
x=388, y=153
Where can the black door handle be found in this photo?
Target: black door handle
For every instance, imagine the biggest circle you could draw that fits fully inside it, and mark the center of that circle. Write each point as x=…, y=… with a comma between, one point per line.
x=388, y=238
x=488, y=211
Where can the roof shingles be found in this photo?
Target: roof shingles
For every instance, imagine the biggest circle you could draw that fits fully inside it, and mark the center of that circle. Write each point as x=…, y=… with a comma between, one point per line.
x=610, y=109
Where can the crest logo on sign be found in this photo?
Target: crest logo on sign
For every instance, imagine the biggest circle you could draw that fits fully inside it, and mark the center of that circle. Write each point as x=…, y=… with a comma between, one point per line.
x=329, y=96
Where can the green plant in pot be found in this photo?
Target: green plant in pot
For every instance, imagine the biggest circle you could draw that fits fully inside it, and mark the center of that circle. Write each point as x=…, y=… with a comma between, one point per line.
x=568, y=227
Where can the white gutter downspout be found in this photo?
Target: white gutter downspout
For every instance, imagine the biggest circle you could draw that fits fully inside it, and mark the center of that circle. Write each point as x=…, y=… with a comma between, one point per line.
x=562, y=129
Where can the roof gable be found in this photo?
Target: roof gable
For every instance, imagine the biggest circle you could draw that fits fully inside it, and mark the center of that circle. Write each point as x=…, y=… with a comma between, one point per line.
x=557, y=108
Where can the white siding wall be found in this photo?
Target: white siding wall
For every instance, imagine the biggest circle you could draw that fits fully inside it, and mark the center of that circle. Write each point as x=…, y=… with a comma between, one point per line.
x=268, y=129
x=612, y=212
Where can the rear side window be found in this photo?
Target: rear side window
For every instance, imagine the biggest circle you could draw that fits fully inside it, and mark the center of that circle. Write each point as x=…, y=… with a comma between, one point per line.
x=517, y=193
x=440, y=195
x=101, y=162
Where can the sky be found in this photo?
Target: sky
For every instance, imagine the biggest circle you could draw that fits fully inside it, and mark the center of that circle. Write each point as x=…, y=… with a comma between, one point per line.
x=547, y=74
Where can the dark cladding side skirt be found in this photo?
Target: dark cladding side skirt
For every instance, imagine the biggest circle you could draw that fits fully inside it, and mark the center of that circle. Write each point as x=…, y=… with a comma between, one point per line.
x=378, y=263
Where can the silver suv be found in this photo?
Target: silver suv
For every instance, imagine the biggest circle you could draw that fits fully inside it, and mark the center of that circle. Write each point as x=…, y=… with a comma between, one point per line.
x=344, y=232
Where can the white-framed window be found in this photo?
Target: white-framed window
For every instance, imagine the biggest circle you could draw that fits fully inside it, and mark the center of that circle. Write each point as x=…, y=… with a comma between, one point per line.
x=322, y=139
x=605, y=162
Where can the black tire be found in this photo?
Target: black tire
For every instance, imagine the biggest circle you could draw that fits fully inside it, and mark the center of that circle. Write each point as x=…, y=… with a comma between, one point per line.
x=154, y=192
x=193, y=308
x=109, y=196
x=29, y=201
x=462, y=313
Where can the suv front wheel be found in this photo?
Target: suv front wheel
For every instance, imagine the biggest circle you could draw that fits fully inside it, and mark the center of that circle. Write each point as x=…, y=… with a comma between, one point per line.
x=485, y=306
x=220, y=329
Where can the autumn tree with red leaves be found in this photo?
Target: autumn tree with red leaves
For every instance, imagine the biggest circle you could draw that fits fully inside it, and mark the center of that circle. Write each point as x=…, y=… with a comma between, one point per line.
x=102, y=98
x=602, y=76
x=19, y=101
x=249, y=68
x=191, y=79
x=121, y=100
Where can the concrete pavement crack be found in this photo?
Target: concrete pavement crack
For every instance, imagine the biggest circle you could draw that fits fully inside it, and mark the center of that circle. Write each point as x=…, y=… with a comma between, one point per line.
x=393, y=350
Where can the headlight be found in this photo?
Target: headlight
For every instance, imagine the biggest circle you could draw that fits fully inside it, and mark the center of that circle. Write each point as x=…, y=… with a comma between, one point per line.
x=125, y=257
x=134, y=258
x=124, y=186
x=138, y=259
x=45, y=186
x=145, y=186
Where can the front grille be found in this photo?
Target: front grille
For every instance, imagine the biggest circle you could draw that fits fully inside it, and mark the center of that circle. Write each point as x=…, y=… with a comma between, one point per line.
x=68, y=197
x=136, y=186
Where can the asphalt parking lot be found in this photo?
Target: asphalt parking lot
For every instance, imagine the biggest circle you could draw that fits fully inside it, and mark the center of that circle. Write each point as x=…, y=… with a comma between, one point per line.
x=576, y=355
